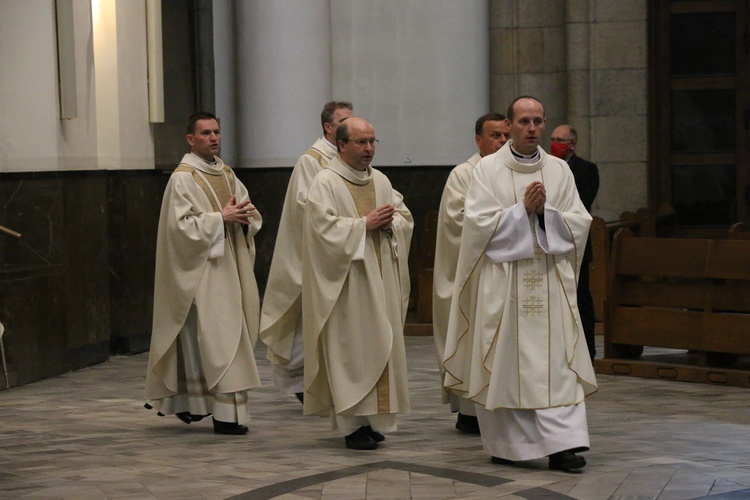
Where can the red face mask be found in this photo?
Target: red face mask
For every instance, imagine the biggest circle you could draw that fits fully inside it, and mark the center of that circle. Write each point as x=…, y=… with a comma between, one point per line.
x=559, y=149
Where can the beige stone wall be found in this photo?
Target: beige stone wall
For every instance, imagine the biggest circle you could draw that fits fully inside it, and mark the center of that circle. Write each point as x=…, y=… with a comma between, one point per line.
x=586, y=60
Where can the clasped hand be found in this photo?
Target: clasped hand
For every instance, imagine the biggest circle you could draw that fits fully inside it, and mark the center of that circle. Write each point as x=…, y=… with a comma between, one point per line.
x=241, y=212
x=535, y=197
x=380, y=218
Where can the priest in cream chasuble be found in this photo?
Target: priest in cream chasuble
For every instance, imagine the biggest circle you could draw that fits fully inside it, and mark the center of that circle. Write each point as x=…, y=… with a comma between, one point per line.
x=355, y=291
x=281, y=314
x=206, y=306
x=515, y=343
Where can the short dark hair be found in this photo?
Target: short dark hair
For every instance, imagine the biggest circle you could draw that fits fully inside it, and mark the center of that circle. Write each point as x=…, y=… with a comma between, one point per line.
x=200, y=115
x=326, y=116
x=342, y=134
x=489, y=117
x=511, y=114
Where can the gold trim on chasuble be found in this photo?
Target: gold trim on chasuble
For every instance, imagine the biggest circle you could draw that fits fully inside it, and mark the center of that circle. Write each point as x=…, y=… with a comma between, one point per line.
x=318, y=156
x=364, y=199
x=532, y=291
x=218, y=187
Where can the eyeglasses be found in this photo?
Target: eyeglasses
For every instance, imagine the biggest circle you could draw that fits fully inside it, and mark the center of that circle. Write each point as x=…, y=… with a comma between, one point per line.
x=562, y=141
x=364, y=142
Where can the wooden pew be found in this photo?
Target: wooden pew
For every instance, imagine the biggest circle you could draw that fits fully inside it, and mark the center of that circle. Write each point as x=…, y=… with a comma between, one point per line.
x=689, y=296
x=739, y=231
x=644, y=222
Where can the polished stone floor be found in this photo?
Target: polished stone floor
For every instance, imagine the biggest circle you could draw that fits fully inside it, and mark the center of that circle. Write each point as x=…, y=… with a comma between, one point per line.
x=86, y=435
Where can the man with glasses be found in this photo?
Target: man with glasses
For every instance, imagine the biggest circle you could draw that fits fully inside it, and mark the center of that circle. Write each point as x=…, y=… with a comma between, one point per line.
x=281, y=316
x=491, y=132
x=564, y=139
x=355, y=292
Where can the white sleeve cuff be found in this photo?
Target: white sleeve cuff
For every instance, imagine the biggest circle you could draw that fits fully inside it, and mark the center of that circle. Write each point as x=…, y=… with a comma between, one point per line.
x=513, y=239
x=217, y=245
x=360, y=253
x=555, y=239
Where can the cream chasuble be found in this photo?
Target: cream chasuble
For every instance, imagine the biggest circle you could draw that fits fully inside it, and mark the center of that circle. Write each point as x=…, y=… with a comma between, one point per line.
x=354, y=306
x=281, y=315
x=515, y=339
x=447, y=242
x=204, y=286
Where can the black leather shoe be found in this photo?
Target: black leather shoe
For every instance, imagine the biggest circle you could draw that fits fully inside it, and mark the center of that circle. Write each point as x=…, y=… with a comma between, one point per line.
x=375, y=435
x=188, y=417
x=300, y=396
x=229, y=428
x=566, y=461
x=360, y=440
x=467, y=423
x=502, y=461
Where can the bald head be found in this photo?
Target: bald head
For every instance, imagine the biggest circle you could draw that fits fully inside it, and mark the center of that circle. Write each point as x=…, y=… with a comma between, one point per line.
x=355, y=139
x=526, y=121
x=563, y=141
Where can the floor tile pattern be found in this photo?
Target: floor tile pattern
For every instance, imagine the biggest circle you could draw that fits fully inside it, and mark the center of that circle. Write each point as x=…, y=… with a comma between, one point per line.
x=86, y=435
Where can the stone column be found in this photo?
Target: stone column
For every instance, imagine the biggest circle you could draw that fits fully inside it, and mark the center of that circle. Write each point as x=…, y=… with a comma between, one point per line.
x=528, y=54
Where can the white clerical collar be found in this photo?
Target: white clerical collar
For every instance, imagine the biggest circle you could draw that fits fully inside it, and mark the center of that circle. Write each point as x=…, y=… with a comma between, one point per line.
x=214, y=167
x=525, y=159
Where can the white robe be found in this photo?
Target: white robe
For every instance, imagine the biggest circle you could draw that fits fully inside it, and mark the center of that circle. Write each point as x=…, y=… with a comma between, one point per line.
x=281, y=315
x=353, y=309
x=447, y=243
x=206, y=307
x=515, y=340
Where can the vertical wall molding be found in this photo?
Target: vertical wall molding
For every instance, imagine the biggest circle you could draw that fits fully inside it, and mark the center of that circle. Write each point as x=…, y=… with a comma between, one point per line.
x=66, y=59
x=155, y=62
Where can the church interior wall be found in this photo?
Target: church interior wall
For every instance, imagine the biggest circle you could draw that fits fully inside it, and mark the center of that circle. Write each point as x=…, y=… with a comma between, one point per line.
x=79, y=284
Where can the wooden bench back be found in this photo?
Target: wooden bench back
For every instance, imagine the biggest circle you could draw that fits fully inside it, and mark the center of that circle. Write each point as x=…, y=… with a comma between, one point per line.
x=679, y=293
x=644, y=222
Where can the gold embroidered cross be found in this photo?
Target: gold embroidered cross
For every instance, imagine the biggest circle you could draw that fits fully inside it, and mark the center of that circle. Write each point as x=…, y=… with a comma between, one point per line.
x=532, y=279
x=532, y=306
x=538, y=254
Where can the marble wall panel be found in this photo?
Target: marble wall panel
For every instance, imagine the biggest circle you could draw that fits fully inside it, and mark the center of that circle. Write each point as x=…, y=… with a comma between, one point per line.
x=98, y=231
x=85, y=238
x=134, y=205
x=33, y=205
x=33, y=312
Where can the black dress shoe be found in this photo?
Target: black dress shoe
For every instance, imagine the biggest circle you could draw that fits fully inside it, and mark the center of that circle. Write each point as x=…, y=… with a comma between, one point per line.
x=229, y=428
x=300, y=396
x=502, y=461
x=468, y=424
x=188, y=417
x=375, y=435
x=360, y=440
x=566, y=461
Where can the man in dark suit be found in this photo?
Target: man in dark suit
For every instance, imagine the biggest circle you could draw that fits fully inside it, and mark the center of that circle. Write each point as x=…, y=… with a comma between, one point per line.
x=563, y=145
